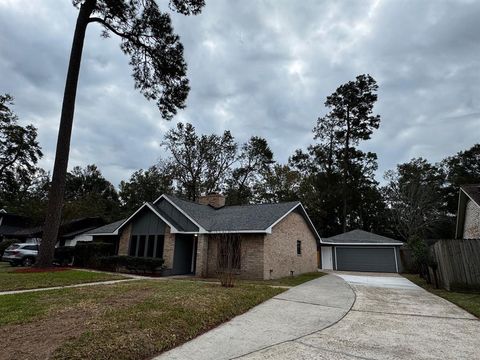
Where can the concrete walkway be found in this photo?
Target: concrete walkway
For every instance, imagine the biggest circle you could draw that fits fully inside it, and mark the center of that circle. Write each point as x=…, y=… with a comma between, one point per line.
x=108, y=282
x=296, y=313
x=392, y=318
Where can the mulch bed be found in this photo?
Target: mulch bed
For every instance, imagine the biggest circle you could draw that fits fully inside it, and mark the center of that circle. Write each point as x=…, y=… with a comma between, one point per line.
x=40, y=270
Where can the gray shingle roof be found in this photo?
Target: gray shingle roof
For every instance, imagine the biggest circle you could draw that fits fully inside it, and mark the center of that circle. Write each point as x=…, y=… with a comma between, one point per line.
x=234, y=218
x=473, y=191
x=106, y=229
x=360, y=237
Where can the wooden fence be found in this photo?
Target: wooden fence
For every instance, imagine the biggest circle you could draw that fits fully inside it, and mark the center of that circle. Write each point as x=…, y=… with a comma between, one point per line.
x=458, y=264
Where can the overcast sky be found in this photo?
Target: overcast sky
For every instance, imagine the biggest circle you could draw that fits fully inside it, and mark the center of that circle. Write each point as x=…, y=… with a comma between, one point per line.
x=256, y=68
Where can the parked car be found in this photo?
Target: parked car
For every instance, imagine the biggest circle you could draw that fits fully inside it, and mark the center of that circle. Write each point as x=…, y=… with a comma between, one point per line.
x=21, y=254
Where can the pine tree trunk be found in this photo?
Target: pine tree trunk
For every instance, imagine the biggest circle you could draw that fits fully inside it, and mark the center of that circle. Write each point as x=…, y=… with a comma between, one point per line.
x=57, y=190
x=345, y=174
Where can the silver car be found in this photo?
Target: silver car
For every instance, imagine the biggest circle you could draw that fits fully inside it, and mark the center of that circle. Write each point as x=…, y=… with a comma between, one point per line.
x=21, y=254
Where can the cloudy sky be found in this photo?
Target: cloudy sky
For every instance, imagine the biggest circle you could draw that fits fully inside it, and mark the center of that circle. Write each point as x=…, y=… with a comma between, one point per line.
x=256, y=68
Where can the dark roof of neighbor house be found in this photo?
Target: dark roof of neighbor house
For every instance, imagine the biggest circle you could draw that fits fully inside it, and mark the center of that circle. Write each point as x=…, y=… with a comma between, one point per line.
x=105, y=229
x=243, y=218
x=473, y=191
x=360, y=237
x=234, y=218
x=67, y=228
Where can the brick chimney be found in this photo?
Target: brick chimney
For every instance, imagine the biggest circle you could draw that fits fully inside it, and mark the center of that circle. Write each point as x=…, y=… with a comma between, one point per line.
x=215, y=200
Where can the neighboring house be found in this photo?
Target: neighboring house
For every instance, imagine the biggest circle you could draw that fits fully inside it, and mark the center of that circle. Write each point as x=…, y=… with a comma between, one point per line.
x=69, y=233
x=271, y=240
x=468, y=214
x=359, y=250
x=10, y=223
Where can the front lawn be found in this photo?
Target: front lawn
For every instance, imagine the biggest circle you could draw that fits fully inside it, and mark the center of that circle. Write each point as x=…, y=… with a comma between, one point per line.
x=12, y=280
x=132, y=320
x=467, y=301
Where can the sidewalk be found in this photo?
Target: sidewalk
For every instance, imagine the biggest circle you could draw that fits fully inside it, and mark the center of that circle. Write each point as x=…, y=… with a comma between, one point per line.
x=300, y=311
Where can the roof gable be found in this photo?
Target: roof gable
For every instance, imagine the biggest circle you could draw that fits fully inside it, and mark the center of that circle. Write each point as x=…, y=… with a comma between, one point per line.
x=360, y=237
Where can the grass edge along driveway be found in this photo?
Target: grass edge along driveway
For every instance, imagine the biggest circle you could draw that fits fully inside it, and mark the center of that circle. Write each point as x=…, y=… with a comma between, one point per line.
x=467, y=301
x=132, y=320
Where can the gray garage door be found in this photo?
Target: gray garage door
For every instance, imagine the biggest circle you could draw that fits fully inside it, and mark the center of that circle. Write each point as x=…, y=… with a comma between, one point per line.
x=366, y=259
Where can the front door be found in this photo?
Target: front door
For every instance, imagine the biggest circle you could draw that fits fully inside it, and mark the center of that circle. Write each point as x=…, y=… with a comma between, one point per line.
x=327, y=262
x=182, y=256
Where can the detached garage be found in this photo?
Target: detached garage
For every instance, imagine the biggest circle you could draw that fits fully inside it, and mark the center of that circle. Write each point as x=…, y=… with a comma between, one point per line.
x=359, y=250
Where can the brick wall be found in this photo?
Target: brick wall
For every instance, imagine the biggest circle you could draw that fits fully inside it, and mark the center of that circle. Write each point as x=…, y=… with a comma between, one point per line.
x=471, y=226
x=280, y=253
x=124, y=241
x=168, y=247
x=251, y=261
x=202, y=256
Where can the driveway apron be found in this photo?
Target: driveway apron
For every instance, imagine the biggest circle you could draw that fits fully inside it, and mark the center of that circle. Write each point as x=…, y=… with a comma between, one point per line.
x=298, y=312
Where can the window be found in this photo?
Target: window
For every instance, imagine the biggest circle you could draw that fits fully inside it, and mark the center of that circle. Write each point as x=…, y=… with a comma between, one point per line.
x=141, y=246
x=150, y=245
x=133, y=246
x=299, y=247
x=159, y=249
x=229, y=251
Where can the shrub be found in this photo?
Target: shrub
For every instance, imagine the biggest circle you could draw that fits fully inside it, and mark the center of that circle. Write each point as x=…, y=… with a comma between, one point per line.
x=64, y=255
x=5, y=244
x=144, y=265
x=87, y=253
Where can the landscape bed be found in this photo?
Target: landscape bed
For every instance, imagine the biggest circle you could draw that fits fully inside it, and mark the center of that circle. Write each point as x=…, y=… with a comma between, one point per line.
x=131, y=320
x=13, y=278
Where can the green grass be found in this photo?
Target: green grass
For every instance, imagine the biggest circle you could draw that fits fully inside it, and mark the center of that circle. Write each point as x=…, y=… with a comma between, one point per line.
x=134, y=320
x=10, y=280
x=467, y=301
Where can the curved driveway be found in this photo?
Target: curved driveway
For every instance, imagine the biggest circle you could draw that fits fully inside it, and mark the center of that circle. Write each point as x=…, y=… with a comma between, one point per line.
x=391, y=318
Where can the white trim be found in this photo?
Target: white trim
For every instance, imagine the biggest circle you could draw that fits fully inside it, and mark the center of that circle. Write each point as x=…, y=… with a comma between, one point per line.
x=361, y=244
x=200, y=227
x=336, y=263
x=173, y=228
x=269, y=229
x=396, y=262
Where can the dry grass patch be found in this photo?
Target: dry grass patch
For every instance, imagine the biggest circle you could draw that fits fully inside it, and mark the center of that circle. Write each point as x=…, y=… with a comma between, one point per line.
x=134, y=320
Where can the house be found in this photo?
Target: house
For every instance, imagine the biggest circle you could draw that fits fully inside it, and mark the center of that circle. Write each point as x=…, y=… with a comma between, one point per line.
x=359, y=250
x=468, y=214
x=267, y=241
x=69, y=233
x=10, y=223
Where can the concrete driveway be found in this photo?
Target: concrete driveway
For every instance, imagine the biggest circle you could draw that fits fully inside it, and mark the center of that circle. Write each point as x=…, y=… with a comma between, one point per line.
x=391, y=318
x=344, y=316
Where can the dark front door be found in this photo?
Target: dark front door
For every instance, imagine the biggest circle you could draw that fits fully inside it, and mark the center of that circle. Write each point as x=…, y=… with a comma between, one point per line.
x=182, y=256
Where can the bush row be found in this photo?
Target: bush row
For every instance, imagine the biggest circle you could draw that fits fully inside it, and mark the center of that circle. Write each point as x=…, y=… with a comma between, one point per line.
x=84, y=253
x=131, y=263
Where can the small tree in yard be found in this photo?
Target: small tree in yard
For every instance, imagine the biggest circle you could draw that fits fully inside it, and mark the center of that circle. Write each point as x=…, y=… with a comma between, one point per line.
x=228, y=258
x=159, y=72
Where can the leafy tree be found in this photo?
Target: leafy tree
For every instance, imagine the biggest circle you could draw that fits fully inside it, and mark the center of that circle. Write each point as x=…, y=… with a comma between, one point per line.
x=145, y=185
x=414, y=195
x=461, y=169
x=349, y=121
x=159, y=72
x=89, y=194
x=19, y=148
x=255, y=161
x=199, y=163
x=278, y=185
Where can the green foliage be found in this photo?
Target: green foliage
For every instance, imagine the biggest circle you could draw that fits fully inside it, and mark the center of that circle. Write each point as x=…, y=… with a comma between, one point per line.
x=4, y=245
x=89, y=194
x=144, y=265
x=145, y=185
x=87, y=253
x=64, y=255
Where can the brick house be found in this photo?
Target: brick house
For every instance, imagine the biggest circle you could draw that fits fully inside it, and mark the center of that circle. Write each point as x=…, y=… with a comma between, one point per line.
x=468, y=215
x=269, y=240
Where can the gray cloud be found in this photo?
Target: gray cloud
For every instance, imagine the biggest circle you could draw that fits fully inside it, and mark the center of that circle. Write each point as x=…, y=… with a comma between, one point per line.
x=256, y=68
